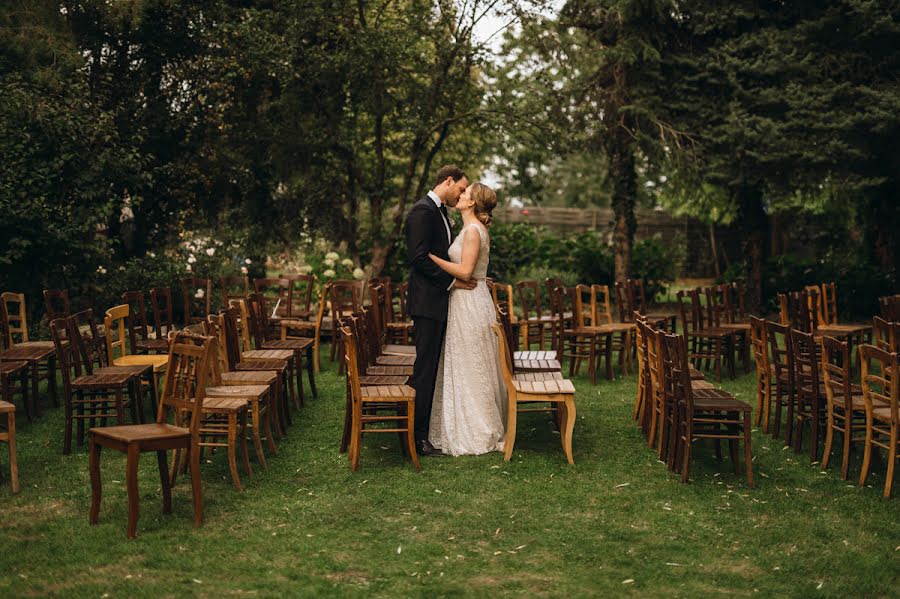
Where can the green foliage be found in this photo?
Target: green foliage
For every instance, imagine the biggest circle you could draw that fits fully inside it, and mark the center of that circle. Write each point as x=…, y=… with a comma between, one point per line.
x=658, y=264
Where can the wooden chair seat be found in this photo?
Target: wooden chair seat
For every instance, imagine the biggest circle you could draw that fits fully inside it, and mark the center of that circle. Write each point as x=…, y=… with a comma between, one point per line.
x=260, y=365
x=399, y=350
x=538, y=376
x=267, y=354
x=701, y=384
x=382, y=380
x=12, y=367
x=395, y=360
x=223, y=404
x=158, y=362
x=834, y=330
x=857, y=402
x=389, y=371
x=736, y=326
x=153, y=345
x=716, y=400
x=695, y=374
x=400, y=326
x=552, y=386
x=237, y=391
x=536, y=365
x=387, y=393
x=21, y=352
x=6, y=407
x=296, y=344
x=250, y=377
x=549, y=354
x=711, y=333
x=103, y=381
x=882, y=414
x=154, y=434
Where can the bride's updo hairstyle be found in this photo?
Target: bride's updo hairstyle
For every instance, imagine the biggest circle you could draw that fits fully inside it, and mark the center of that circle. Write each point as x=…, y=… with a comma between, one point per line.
x=485, y=201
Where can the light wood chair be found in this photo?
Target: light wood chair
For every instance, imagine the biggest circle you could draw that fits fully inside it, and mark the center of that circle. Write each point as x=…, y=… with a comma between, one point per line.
x=117, y=351
x=142, y=338
x=846, y=405
x=9, y=437
x=183, y=394
x=524, y=390
x=41, y=355
x=881, y=393
x=371, y=403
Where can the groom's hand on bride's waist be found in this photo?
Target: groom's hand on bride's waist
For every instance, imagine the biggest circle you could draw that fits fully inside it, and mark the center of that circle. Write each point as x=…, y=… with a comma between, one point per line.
x=460, y=284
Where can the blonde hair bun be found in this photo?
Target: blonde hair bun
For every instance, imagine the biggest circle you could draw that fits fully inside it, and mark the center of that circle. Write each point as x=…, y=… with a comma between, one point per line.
x=485, y=202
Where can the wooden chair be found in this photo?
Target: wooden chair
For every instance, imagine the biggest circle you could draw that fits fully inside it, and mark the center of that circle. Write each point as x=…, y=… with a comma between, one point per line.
x=639, y=301
x=15, y=322
x=294, y=328
x=88, y=395
x=764, y=371
x=705, y=414
x=379, y=298
x=9, y=437
x=276, y=292
x=882, y=335
x=183, y=394
x=117, y=351
x=163, y=315
x=139, y=333
x=811, y=401
x=889, y=307
x=643, y=372
x=56, y=304
x=534, y=322
x=196, y=295
x=722, y=313
x=781, y=360
x=526, y=360
x=345, y=299
x=302, y=347
x=236, y=287
x=40, y=362
x=846, y=406
x=14, y=380
x=300, y=294
x=575, y=342
x=398, y=325
x=617, y=337
x=398, y=400
x=881, y=392
x=502, y=293
x=520, y=391
x=711, y=345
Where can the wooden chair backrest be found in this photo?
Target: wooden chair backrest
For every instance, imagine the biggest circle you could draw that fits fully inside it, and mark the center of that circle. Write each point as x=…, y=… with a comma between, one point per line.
x=780, y=356
x=836, y=371
x=503, y=292
x=352, y=323
x=258, y=318
x=714, y=314
x=637, y=295
x=506, y=364
x=676, y=376
x=805, y=350
x=881, y=385
x=234, y=288
x=187, y=373
x=369, y=328
x=346, y=298
x=138, y=330
x=624, y=302
x=56, y=304
x=215, y=328
x=882, y=334
x=196, y=309
x=691, y=312
x=889, y=307
x=274, y=290
x=300, y=293
x=564, y=308
x=59, y=331
x=163, y=316
x=378, y=296
x=759, y=343
x=242, y=322
x=506, y=323
x=229, y=337
x=655, y=364
x=89, y=342
x=800, y=309
x=351, y=355
x=601, y=312
x=402, y=293
x=577, y=295
x=15, y=317
x=116, y=332
x=529, y=293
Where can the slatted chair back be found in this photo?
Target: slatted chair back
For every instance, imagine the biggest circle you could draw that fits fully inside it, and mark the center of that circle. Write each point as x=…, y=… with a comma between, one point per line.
x=881, y=381
x=351, y=356
x=229, y=337
x=90, y=344
x=276, y=292
x=836, y=374
x=580, y=308
x=214, y=328
x=378, y=296
x=829, y=303
x=506, y=323
x=116, y=324
x=889, y=307
x=655, y=378
x=242, y=312
x=402, y=294
x=529, y=294
x=370, y=329
x=503, y=292
x=163, y=315
x=506, y=359
x=564, y=309
x=637, y=295
x=715, y=305
x=806, y=355
x=623, y=304
x=257, y=318
x=236, y=287
x=780, y=355
x=809, y=289
x=138, y=329
x=640, y=343
x=60, y=331
x=346, y=298
x=735, y=297
x=690, y=310
x=187, y=374
x=601, y=311
x=15, y=317
x=56, y=304
x=881, y=334
x=759, y=342
x=300, y=294
x=551, y=283
x=676, y=377
x=196, y=296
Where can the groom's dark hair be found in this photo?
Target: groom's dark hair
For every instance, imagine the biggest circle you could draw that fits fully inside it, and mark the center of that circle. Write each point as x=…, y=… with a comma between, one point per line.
x=449, y=170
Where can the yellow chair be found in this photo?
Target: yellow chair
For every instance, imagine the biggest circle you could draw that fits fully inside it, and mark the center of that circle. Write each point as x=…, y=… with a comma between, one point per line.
x=117, y=348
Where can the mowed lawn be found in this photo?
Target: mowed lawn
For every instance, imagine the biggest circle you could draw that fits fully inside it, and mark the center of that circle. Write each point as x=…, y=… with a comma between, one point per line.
x=615, y=523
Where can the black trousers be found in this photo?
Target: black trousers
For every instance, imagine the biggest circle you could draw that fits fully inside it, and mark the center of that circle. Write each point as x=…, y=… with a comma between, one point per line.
x=429, y=336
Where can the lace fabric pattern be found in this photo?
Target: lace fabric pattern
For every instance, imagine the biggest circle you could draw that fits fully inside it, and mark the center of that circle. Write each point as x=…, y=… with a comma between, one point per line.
x=469, y=412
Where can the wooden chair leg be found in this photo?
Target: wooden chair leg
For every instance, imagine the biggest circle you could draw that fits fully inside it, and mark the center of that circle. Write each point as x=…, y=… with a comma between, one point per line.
x=166, y=485
x=686, y=465
x=848, y=437
x=298, y=372
x=568, y=427
x=11, y=441
x=748, y=452
x=196, y=489
x=131, y=470
x=310, y=372
x=829, y=437
x=257, y=440
x=511, y=417
x=232, y=447
x=96, y=486
x=346, y=437
x=356, y=440
x=410, y=438
x=242, y=438
x=892, y=462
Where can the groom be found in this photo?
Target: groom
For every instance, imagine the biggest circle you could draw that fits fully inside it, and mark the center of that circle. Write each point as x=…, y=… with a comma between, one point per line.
x=428, y=231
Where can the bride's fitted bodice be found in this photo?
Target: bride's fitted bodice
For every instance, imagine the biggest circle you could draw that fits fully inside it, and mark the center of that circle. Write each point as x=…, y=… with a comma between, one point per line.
x=484, y=256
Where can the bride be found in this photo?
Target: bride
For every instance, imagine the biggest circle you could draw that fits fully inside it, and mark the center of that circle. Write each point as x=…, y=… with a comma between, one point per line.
x=469, y=397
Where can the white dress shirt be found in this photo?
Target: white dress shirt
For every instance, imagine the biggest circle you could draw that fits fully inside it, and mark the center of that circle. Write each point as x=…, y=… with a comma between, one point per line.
x=437, y=202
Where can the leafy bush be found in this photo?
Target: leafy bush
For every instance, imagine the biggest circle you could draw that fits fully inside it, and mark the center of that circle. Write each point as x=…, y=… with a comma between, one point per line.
x=656, y=263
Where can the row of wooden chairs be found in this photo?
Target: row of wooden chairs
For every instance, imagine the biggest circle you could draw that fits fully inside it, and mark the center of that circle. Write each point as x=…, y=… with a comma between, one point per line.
x=889, y=307
x=675, y=406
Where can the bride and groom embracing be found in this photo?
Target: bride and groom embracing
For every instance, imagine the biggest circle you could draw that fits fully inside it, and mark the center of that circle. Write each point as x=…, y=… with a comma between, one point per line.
x=460, y=397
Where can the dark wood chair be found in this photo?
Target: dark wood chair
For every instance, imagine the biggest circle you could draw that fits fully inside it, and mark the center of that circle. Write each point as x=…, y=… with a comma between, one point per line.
x=398, y=324
x=889, y=307
x=40, y=360
x=236, y=287
x=392, y=405
x=705, y=414
x=56, y=304
x=87, y=395
x=575, y=342
x=163, y=315
x=781, y=360
x=616, y=337
x=708, y=345
x=196, y=296
x=811, y=402
x=881, y=392
x=8, y=436
x=637, y=296
x=345, y=298
x=298, y=328
x=13, y=381
x=186, y=377
x=846, y=406
x=723, y=313
x=139, y=332
x=276, y=292
x=300, y=294
x=380, y=299
x=525, y=360
x=764, y=371
x=534, y=323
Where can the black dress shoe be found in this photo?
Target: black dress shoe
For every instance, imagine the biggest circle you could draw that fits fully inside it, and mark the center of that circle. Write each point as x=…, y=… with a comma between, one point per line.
x=425, y=448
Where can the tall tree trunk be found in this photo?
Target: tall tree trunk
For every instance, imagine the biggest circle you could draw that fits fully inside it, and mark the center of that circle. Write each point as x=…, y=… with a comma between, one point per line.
x=754, y=222
x=624, y=193
x=884, y=220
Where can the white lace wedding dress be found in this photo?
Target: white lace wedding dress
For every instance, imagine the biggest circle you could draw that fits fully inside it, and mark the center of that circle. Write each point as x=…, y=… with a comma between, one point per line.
x=469, y=412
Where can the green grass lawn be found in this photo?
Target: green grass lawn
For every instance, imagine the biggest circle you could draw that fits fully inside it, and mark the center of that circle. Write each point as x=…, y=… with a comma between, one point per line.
x=614, y=523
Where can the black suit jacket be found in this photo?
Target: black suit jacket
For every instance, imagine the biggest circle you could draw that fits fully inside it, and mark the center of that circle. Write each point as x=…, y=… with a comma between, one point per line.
x=428, y=293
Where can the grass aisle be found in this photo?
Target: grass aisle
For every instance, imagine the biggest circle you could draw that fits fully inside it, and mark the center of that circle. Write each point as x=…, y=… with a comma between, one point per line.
x=615, y=523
